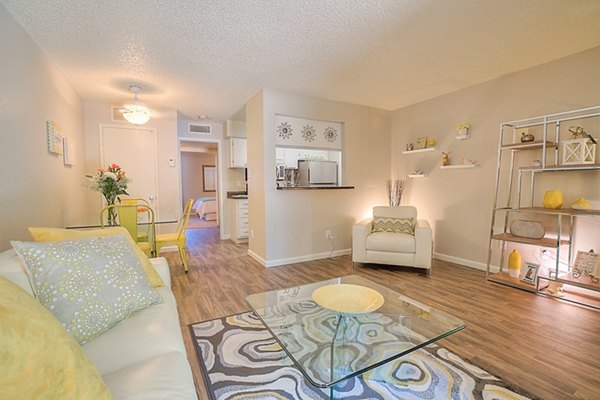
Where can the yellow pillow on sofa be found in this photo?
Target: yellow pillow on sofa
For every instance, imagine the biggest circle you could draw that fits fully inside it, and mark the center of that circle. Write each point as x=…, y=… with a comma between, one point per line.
x=39, y=359
x=58, y=235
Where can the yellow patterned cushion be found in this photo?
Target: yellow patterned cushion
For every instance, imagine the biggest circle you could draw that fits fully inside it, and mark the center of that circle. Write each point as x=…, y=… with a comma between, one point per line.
x=89, y=284
x=38, y=358
x=394, y=225
x=57, y=235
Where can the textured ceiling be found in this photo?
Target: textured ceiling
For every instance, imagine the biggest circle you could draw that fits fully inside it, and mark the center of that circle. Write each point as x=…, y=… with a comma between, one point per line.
x=210, y=57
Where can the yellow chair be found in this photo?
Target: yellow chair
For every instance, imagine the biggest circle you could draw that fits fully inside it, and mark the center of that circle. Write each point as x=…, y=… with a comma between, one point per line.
x=143, y=235
x=178, y=237
x=127, y=217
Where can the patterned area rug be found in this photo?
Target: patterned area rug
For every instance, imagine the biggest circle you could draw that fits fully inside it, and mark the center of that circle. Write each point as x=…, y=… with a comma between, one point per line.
x=240, y=360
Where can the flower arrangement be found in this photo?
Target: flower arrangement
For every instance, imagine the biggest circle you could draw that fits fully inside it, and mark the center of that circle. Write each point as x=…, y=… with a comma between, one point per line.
x=462, y=126
x=111, y=182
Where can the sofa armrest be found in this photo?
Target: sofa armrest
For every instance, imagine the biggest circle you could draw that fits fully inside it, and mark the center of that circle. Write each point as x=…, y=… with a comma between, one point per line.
x=360, y=231
x=162, y=268
x=424, y=244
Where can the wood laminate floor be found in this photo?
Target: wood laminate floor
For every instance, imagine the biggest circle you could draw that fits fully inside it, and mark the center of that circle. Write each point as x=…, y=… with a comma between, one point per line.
x=548, y=347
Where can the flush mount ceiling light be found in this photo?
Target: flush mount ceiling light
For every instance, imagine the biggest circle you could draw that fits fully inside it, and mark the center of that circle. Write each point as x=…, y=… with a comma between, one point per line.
x=135, y=112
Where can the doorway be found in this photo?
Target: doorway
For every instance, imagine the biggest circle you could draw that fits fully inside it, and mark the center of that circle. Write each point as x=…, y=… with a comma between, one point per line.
x=200, y=181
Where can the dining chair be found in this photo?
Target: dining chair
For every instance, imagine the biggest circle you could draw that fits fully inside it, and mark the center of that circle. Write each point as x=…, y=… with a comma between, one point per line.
x=143, y=209
x=127, y=217
x=177, y=238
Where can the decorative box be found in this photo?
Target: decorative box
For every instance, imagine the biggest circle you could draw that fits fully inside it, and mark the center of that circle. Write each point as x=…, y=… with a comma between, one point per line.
x=578, y=151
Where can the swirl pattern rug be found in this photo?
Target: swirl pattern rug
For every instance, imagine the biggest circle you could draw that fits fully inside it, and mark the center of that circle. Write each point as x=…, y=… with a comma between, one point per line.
x=240, y=360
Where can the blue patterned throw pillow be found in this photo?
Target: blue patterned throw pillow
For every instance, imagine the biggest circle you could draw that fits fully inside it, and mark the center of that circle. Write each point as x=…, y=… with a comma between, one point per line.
x=88, y=284
x=395, y=225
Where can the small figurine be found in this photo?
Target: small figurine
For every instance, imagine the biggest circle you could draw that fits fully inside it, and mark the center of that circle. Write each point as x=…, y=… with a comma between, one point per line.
x=445, y=159
x=409, y=147
x=527, y=137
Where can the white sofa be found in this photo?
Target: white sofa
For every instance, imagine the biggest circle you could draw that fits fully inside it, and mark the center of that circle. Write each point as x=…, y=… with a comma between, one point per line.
x=142, y=357
x=393, y=248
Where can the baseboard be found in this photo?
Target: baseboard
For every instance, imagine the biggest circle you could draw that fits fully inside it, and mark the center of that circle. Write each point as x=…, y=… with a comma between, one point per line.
x=258, y=258
x=225, y=237
x=467, y=263
x=308, y=257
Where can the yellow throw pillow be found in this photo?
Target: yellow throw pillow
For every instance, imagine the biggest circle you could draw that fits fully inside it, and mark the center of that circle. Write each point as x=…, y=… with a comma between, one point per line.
x=39, y=359
x=58, y=235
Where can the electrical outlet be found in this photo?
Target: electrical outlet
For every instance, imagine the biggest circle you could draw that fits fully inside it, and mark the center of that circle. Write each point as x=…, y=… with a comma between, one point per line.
x=328, y=234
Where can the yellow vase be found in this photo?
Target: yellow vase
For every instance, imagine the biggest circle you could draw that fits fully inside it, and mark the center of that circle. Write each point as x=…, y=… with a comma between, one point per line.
x=514, y=264
x=553, y=199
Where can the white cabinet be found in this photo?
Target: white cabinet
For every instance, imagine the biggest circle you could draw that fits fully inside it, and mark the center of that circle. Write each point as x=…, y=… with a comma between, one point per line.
x=238, y=214
x=238, y=153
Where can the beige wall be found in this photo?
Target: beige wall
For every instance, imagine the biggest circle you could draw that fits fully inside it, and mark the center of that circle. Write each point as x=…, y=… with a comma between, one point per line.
x=458, y=203
x=169, y=184
x=192, y=179
x=295, y=221
x=36, y=189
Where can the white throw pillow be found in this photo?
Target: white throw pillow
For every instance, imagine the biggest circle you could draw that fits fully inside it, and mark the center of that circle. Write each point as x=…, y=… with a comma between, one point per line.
x=88, y=284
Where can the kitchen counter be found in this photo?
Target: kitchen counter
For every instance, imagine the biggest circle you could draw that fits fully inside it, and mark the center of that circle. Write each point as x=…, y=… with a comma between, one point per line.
x=316, y=187
x=237, y=195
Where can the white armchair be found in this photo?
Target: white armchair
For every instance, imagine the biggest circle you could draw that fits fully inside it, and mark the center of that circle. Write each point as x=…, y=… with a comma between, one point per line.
x=390, y=247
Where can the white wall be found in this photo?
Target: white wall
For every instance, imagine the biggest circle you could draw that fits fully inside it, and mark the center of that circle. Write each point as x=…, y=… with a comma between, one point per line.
x=169, y=183
x=458, y=203
x=36, y=189
x=293, y=223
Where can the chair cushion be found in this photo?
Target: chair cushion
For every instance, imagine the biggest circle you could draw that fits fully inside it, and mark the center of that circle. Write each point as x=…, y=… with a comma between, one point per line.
x=38, y=357
x=392, y=242
x=394, y=225
x=57, y=235
x=89, y=284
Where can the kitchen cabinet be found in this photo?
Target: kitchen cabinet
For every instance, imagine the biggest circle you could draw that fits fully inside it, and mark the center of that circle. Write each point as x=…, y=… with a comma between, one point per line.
x=238, y=215
x=238, y=153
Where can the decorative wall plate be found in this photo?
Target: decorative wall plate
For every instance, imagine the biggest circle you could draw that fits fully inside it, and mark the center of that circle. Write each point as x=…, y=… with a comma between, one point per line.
x=330, y=134
x=308, y=133
x=284, y=130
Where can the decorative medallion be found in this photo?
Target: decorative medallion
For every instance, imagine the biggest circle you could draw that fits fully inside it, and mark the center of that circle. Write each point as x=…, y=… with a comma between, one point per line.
x=284, y=130
x=330, y=134
x=308, y=133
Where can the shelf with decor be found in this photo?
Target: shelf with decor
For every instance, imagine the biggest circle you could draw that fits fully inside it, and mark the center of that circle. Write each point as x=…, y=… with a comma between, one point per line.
x=458, y=166
x=554, y=226
x=416, y=176
x=425, y=150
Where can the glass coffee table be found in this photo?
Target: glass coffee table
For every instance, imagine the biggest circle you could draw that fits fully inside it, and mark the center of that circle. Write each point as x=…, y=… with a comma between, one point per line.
x=329, y=346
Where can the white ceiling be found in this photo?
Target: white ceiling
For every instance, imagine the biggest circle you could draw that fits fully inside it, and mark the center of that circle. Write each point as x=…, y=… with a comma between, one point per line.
x=210, y=57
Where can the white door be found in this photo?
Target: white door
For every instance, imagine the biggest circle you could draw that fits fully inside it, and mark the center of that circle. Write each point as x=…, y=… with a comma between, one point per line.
x=134, y=150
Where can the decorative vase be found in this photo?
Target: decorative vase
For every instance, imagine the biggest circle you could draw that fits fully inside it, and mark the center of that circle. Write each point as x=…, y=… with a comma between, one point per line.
x=514, y=264
x=112, y=212
x=463, y=131
x=553, y=199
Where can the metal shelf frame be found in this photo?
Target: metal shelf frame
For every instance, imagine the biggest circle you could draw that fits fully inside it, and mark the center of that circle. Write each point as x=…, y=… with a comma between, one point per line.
x=548, y=146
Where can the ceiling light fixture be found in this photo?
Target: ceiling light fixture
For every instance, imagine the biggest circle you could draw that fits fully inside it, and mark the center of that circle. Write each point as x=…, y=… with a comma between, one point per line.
x=135, y=112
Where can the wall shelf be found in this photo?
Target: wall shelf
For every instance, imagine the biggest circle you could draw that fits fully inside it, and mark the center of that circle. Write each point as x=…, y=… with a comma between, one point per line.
x=462, y=137
x=538, y=144
x=419, y=150
x=416, y=176
x=458, y=166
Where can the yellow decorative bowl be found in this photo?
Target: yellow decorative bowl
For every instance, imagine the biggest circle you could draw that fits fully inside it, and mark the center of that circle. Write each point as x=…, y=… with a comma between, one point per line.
x=553, y=199
x=348, y=299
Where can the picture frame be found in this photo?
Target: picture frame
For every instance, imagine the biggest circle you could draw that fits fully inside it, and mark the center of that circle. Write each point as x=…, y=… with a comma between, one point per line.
x=530, y=273
x=209, y=178
x=421, y=143
x=586, y=263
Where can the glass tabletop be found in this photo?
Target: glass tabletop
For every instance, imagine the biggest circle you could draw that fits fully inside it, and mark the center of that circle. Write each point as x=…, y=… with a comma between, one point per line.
x=330, y=346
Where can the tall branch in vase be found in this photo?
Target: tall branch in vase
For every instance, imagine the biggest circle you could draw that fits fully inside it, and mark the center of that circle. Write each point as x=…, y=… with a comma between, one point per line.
x=111, y=183
x=395, y=189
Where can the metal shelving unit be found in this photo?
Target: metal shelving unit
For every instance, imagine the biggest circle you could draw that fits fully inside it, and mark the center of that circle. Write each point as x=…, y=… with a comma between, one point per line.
x=565, y=218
